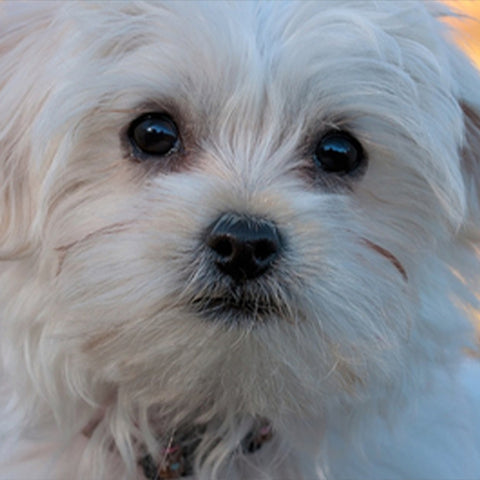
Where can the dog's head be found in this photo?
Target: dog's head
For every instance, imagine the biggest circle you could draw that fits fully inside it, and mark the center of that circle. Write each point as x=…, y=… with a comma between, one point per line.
x=226, y=210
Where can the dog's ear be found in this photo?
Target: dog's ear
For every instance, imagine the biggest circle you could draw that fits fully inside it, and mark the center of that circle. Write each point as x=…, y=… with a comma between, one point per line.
x=470, y=157
x=25, y=48
x=466, y=79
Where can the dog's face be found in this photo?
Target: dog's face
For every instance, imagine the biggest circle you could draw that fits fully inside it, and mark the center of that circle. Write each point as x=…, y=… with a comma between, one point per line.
x=230, y=207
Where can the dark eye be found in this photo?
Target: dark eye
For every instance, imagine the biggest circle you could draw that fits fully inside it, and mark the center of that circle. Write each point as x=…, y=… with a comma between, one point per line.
x=338, y=152
x=154, y=134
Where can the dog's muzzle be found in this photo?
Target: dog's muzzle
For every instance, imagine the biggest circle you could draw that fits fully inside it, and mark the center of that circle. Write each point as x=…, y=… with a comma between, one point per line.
x=242, y=253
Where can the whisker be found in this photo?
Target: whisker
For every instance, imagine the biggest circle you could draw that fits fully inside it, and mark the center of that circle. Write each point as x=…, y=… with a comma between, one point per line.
x=64, y=249
x=389, y=256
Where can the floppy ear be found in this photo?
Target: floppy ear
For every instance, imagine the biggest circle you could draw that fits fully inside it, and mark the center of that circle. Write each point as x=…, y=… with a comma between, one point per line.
x=470, y=157
x=25, y=46
x=467, y=90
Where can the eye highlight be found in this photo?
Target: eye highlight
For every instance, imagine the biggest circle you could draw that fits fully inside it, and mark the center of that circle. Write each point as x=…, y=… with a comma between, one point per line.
x=338, y=152
x=154, y=135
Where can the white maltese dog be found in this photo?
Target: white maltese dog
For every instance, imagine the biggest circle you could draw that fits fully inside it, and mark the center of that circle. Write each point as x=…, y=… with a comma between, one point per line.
x=238, y=241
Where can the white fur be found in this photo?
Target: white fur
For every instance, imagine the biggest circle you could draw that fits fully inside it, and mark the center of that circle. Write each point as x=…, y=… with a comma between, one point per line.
x=363, y=373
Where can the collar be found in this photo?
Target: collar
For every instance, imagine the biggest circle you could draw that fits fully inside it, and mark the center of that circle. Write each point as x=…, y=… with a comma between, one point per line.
x=176, y=460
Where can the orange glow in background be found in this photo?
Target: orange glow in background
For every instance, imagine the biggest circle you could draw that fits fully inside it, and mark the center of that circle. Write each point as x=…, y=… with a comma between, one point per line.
x=468, y=29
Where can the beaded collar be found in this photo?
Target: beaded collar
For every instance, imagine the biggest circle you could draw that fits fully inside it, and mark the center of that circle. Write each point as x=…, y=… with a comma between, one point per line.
x=176, y=460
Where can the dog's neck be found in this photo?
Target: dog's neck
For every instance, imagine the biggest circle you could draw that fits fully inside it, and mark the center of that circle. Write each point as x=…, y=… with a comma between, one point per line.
x=177, y=458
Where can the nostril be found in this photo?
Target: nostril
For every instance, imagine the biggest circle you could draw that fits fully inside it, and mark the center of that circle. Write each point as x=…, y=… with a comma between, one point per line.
x=264, y=249
x=222, y=245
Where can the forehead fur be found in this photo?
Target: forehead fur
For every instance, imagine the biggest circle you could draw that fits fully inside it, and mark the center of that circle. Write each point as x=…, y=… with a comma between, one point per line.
x=254, y=50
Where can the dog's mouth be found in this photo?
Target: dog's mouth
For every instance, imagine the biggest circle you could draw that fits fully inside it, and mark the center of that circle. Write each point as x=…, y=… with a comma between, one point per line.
x=236, y=308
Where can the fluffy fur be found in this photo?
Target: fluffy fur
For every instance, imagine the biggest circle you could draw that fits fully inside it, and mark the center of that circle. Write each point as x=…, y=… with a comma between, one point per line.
x=361, y=368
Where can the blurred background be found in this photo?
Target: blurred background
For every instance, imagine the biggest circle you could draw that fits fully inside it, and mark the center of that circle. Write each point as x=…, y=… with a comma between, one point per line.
x=467, y=30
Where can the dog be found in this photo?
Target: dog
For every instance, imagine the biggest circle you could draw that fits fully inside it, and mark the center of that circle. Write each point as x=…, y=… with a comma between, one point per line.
x=238, y=240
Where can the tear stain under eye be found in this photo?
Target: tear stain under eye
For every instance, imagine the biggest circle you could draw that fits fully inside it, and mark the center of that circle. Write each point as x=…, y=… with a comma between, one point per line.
x=389, y=256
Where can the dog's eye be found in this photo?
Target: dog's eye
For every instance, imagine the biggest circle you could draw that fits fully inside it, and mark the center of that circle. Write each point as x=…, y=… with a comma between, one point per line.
x=338, y=152
x=154, y=134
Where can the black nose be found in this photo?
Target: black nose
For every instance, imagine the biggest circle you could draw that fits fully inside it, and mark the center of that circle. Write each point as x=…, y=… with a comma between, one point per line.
x=244, y=248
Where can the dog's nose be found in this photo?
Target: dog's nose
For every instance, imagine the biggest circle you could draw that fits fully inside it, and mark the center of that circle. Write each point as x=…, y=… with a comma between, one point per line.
x=244, y=248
